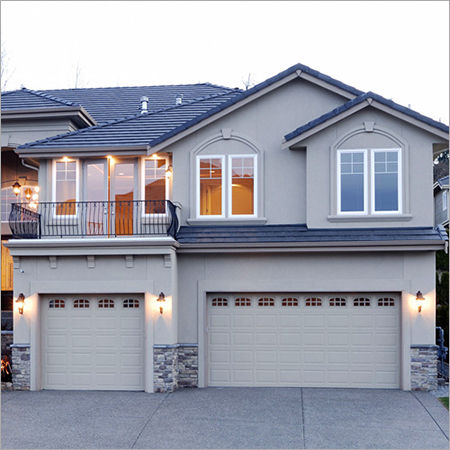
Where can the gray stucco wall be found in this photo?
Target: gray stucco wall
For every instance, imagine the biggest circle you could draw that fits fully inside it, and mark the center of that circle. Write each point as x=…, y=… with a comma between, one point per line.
x=264, y=121
x=308, y=272
x=17, y=132
x=417, y=169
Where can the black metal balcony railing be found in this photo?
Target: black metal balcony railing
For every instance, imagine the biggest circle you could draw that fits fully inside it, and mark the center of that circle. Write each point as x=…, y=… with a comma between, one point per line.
x=84, y=219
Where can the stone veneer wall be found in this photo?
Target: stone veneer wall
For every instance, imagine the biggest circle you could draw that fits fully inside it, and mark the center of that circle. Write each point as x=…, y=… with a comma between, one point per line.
x=175, y=366
x=424, y=367
x=20, y=359
x=187, y=366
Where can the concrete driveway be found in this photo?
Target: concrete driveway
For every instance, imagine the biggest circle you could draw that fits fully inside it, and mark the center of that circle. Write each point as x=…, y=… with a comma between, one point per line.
x=224, y=418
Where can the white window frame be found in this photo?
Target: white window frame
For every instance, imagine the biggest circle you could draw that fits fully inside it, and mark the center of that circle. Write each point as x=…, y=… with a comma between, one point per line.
x=365, y=184
x=399, y=180
x=444, y=200
x=77, y=186
x=197, y=174
x=230, y=187
x=166, y=158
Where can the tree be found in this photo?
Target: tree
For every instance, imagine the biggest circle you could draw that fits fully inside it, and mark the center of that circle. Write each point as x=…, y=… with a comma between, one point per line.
x=248, y=82
x=6, y=73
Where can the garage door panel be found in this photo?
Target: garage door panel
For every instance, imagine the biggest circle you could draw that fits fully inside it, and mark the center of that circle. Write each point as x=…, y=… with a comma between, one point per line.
x=286, y=356
x=242, y=356
x=96, y=348
x=265, y=338
x=290, y=339
x=216, y=338
x=318, y=345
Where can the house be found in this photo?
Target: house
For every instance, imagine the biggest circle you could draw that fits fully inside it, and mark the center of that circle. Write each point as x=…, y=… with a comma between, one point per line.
x=440, y=189
x=204, y=236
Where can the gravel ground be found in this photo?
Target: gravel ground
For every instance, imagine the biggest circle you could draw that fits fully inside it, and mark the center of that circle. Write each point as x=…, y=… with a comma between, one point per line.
x=441, y=391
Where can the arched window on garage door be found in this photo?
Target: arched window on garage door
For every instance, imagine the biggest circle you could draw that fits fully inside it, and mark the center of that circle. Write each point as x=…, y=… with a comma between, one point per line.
x=57, y=303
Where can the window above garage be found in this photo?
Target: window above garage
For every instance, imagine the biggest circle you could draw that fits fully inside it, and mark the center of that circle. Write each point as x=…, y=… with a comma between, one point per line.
x=369, y=182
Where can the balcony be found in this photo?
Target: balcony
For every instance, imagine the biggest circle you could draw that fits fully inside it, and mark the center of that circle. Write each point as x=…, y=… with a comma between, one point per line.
x=94, y=219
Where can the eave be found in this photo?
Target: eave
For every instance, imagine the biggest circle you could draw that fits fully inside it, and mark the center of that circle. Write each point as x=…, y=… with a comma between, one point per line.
x=78, y=114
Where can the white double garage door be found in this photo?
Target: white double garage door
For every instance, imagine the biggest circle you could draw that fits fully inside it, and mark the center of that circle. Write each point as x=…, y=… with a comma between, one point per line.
x=301, y=339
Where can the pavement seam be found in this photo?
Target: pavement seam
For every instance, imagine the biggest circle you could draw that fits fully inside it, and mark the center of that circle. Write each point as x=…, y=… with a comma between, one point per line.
x=149, y=420
x=425, y=408
x=303, y=418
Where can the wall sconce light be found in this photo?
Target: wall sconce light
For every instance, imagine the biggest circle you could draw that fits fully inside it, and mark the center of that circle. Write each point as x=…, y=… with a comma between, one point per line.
x=16, y=188
x=162, y=299
x=169, y=171
x=420, y=300
x=20, y=302
x=28, y=193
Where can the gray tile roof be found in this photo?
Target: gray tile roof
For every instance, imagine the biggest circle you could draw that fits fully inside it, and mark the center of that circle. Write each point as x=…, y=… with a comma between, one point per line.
x=110, y=103
x=357, y=100
x=29, y=99
x=139, y=129
x=212, y=234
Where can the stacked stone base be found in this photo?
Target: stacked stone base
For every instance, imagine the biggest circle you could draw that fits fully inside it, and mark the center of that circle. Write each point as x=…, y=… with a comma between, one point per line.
x=175, y=366
x=424, y=367
x=20, y=360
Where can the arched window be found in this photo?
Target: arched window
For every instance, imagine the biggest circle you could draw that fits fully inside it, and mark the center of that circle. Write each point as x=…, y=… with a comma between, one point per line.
x=386, y=301
x=131, y=303
x=361, y=302
x=81, y=303
x=337, y=302
x=56, y=303
x=266, y=301
x=313, y=301
x=106, y=303
x=242, y=302
x=289, y=301
x=219, y=301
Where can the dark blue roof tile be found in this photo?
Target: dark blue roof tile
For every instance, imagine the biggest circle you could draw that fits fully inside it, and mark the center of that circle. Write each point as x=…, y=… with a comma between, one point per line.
x=356, y=101
x=210, y=234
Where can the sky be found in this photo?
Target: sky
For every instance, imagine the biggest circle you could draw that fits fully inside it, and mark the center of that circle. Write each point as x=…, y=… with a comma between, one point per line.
x=397, y=49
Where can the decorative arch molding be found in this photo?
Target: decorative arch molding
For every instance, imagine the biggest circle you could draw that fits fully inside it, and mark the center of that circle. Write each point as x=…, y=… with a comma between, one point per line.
x=367, y=129
x=228, y=134
x=371, y=128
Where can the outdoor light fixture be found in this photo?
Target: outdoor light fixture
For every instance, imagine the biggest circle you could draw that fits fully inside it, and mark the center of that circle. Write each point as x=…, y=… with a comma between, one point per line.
x=169, y=171
x=20, y=301
x=420, y=300
x=162, y=299
x=16, y=188
x=28, y=193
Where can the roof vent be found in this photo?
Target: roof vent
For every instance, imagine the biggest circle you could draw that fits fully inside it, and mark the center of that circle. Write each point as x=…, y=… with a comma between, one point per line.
x=144, y=104
x=179, y=99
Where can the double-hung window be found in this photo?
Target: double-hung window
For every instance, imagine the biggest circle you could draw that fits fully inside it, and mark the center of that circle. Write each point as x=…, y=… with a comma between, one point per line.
x=444, y=200
x=226, y=186
x=65, y=186
x=369, y=180
x=352, y=181
x=386, y=181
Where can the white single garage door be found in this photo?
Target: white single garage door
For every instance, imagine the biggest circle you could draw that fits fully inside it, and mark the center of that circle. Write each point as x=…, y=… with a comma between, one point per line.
x=93, y=342
x=310, y=340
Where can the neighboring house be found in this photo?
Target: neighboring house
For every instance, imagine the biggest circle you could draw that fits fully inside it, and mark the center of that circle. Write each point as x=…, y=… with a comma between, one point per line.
x=274, y=237
x=440, y=189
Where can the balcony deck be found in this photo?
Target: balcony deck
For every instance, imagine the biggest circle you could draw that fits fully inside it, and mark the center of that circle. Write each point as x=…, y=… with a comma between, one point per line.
x=93, y=219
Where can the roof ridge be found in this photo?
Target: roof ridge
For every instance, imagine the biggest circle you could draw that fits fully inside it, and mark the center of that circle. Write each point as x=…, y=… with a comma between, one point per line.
x=48, y=97
x=122, y=119
x=143, y=86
